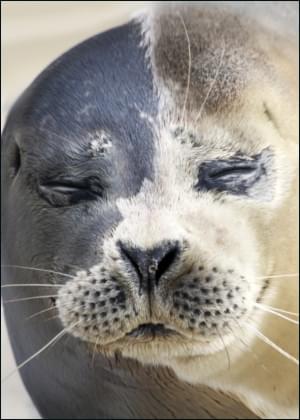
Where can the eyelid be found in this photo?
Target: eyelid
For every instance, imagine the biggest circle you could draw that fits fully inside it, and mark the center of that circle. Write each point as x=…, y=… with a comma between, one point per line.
x=233, y=176
x=230, y=170
x=64, y=186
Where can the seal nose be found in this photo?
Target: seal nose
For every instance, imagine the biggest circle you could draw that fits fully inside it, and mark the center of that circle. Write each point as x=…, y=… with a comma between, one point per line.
x=150, y=264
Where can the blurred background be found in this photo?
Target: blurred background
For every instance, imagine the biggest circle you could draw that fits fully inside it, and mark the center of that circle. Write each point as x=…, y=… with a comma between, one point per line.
x=34, y=33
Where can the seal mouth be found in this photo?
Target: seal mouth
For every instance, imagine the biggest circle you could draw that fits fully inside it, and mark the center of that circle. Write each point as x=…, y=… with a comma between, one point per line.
x=151, y=330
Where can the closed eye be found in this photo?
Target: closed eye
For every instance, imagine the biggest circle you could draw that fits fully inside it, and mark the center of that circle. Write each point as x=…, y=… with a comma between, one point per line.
x=233, y=171
x=64, y=188
x=235, y=175
x=66, y=193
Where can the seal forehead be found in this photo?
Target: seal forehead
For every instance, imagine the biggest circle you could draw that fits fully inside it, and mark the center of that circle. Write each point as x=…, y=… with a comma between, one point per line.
x=195, y=45
x=86, y=114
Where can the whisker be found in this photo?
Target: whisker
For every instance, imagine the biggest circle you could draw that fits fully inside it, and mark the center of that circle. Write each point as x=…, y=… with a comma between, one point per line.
x=225, y=348
x=94, y=351
x=50, y=318
x=37, y=269
x=189, y=67
x=29, y=298
x=266, y=340
x=277, y=276
x=279, y=310
x=40, y=312
x=276, y=313
x=57, y=337
x=213, y=82
x=32, y=285
x=246, y=346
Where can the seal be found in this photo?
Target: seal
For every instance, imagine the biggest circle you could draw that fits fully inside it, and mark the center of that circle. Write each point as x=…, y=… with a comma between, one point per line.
x=151, y=171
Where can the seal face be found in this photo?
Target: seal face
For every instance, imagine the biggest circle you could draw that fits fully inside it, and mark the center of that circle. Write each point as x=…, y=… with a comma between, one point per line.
x=148, y=176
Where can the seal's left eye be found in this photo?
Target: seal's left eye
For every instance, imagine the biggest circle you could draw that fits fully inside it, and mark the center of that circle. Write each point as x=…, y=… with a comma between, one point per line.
x=61, y=193
x=233, y=171
x=234, y=176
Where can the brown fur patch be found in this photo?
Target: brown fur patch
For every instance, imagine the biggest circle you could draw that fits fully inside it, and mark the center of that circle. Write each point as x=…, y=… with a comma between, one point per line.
x=227, y=50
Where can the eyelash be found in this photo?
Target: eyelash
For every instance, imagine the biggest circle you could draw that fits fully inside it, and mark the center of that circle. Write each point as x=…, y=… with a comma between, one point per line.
x=232, y=170
x=233, y=177
x=66, y=193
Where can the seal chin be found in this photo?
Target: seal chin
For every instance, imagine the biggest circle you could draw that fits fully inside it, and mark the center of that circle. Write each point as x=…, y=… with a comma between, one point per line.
x=158, y=343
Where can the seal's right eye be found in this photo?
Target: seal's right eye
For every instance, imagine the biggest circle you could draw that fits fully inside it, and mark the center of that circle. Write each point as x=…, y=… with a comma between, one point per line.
x=67, y=193
x=15, y=160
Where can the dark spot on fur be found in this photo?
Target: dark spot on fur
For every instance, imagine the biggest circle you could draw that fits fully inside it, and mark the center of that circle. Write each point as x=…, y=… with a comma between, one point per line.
x=97, y=294
x=214, y=269
x=217, y=313
x=196, y=311
x=207, y=279
x=227, y=311
x=204, y=291
x=215, y=289
x=219, y=301
x=207, y=313
x=103, y=314
x=86, y=293
x=121, y=297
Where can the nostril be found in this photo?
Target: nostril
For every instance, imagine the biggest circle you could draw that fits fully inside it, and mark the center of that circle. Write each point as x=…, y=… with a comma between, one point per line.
x=149, y=265
x=131, y=255
x=166, y=262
